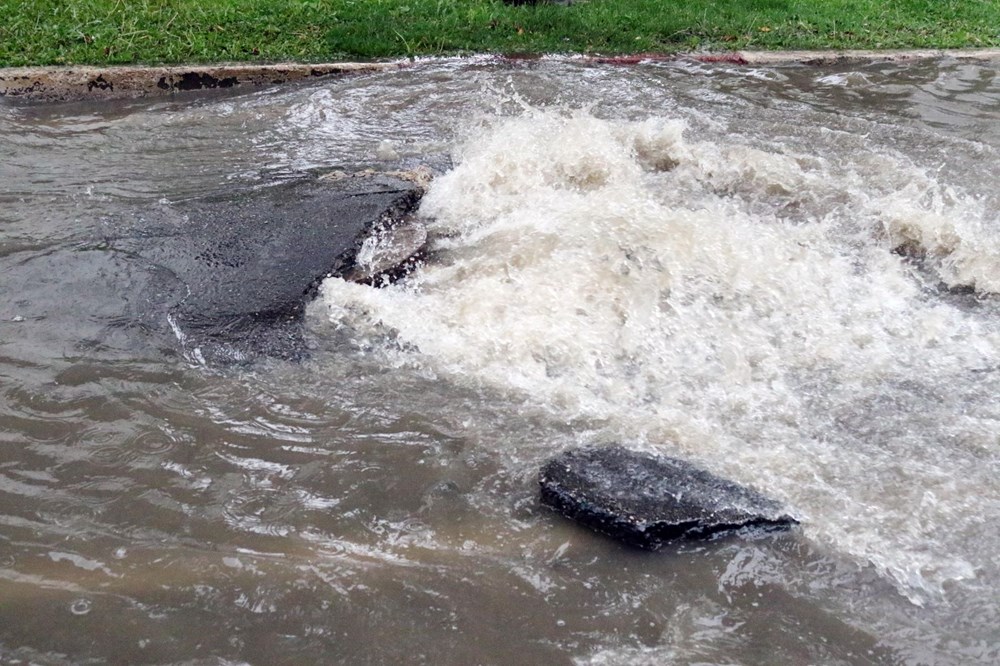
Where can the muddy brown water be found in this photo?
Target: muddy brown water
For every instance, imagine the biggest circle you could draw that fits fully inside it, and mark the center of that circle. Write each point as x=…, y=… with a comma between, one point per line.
x=786, y=274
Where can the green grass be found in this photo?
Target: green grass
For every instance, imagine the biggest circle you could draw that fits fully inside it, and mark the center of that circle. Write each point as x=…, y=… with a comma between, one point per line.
x=47, y=32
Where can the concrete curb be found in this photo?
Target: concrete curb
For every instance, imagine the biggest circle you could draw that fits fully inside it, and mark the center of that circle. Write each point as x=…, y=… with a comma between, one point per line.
x=58, y=84
x=833, y=57
x=816, y=58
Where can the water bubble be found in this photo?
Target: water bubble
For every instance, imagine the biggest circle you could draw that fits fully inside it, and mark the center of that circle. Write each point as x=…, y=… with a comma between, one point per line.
x=80, y=607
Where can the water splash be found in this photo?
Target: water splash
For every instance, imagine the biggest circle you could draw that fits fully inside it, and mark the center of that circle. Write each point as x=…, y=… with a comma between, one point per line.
x=746, y=307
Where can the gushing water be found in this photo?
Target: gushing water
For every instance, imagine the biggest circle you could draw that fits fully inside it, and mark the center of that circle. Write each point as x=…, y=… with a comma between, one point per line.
x=769, y=312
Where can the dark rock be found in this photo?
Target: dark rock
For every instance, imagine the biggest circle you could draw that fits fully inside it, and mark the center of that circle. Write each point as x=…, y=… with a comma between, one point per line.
x=646, y=500
x=251, y=261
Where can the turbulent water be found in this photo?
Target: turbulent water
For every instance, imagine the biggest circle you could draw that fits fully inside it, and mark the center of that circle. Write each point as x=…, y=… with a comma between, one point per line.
x=789, y=275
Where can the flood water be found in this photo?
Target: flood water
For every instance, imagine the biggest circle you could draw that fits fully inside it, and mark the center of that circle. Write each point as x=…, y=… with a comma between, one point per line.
x=787, y=275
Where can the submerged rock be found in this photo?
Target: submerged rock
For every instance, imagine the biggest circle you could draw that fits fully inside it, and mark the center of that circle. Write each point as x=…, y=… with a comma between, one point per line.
x=250, y=261
x=646, y=500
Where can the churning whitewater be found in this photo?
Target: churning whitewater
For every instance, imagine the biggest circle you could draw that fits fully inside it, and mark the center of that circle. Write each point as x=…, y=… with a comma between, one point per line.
x=809, y=324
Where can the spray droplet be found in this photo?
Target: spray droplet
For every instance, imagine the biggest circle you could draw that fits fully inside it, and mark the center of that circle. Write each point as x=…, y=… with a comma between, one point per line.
x=386, y=150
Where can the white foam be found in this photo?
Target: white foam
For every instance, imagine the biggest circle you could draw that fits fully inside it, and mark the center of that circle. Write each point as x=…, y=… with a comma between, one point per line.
x=714, y=299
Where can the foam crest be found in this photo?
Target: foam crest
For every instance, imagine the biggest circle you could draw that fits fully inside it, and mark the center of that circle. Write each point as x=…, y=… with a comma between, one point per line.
x=964, y=249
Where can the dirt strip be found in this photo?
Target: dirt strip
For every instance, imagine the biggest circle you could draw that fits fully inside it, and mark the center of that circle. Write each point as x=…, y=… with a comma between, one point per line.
x=58, y=84
x=54, y=84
